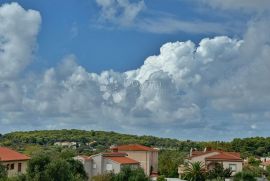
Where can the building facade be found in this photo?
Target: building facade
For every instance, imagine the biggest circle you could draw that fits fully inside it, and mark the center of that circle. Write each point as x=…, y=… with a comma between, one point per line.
x=146, y=156
x=209, y=158
x=105, y=163
x=15, y=162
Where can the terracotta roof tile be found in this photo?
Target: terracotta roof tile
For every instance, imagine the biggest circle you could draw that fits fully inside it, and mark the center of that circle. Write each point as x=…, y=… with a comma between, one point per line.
x=7, y=154
x=225, y=156
x=113, y=154
x=134, y=147
x=123, y=160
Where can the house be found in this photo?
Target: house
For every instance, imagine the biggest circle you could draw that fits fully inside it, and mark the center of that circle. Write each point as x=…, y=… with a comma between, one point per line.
x=67, y=144
x=106, y=162
x=87, y=164
x=146, y=156
x=16, y=163
x=265, y=164
x=210, y=157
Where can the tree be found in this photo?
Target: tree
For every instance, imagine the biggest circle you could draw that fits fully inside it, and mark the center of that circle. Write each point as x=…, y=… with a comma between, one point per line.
x=218, y=172
x=169, y=161
x=244, y=176
x=128, y=173
x=104, y=177
x=253, y=161
x=3, y=172
x=58, y=170
x=37, y=167
x=77, y=169
x=194, y=172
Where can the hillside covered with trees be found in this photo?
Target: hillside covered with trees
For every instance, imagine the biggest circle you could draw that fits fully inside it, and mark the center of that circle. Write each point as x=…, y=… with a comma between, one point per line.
x=31, y=140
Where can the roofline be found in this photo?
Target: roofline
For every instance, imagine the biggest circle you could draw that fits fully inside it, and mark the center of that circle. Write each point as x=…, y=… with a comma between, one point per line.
x=26, y=159
x=218, y=159
x=122, y=163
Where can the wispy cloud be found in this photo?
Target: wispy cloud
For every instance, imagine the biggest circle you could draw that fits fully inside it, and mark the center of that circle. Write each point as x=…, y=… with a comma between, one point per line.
x=136, y=15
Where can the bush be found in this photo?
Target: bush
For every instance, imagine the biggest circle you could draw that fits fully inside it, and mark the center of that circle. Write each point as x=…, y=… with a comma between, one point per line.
x=161, y=178
x=3, y=172
x=244, y=176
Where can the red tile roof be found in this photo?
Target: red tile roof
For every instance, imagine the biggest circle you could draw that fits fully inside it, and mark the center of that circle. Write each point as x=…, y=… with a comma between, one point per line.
x=134, y=147
x=113, y=154
x=7, y=154
x=225, y=156
x=123, y=160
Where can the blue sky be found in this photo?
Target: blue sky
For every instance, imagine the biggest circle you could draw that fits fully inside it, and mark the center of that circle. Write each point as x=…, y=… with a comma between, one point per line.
x=90, y=65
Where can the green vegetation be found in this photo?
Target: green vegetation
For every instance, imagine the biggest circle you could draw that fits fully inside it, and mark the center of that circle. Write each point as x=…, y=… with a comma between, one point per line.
x=244, y=176
x=169, y=161
x=194, y=172
x=51, y=166
x=3, y=172
x=172, y=152
x=34, y=141
x=126, y=174
x=218, y=173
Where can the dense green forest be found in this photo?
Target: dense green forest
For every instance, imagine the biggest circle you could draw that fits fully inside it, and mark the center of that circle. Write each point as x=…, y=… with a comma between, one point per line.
x=31, y=141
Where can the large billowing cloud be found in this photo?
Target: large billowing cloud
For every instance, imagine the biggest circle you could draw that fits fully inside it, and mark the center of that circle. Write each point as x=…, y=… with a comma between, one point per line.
x=18, y=30
x=219, y=86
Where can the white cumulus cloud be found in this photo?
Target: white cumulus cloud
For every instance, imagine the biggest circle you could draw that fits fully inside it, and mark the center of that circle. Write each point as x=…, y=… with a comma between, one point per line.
x=209, y=87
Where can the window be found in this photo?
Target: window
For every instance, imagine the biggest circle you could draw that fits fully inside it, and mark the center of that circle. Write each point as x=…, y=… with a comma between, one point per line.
x=7, y=166
x=12, y=166
x=94, y=165
x=19, y=167
x=232, y=167
x=109, y=167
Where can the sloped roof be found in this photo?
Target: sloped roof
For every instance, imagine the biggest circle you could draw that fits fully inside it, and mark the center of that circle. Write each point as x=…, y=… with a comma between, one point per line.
x=123, y=160
x=107, y=154
x=134, y=147
x=225, y=156
x=7, y=154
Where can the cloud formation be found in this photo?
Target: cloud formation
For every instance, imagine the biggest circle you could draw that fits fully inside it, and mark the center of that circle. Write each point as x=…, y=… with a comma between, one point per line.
x=245, y=5
x=218, y=86
x=120, y=12
x=135, y=14
x=17, y=42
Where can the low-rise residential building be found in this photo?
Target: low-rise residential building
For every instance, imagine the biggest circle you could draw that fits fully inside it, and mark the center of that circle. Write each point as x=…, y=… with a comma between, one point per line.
x=265, y=164
x=146, y=156
x=15, y=162
x=209, y=158
x=106, y=162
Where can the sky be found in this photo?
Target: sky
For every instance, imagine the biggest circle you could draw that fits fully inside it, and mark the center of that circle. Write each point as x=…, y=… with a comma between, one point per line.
x=185, y=69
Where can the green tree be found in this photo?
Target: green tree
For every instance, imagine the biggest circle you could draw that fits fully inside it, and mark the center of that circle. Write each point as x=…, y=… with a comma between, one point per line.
x=3, y=172
x=37, y=167
x=58, y=170
x=244, y=176
x=77, y=169
x=218, y=172
x=128, y=173
x=253, y=161
x=194, y=172
x=104, y=177
x=168, y=162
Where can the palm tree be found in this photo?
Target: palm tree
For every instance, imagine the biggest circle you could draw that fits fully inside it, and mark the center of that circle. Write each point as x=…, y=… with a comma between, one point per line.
x=194, y=172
